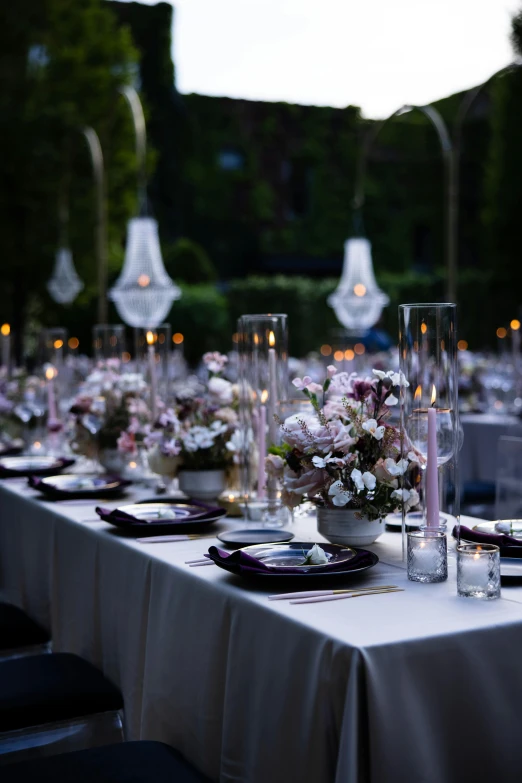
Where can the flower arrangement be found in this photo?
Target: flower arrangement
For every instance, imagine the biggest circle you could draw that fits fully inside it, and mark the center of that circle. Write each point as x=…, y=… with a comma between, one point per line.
x=108, y=405
x=199, y=431
x=345, y=452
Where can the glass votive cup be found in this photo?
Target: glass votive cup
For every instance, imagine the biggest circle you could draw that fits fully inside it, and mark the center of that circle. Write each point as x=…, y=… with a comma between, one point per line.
x=478, y=571
x=427, y=555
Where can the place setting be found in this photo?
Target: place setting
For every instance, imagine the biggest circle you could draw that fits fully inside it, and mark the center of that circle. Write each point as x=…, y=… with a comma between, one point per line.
x=162, y=520
x=64, y=487
x=25, y=466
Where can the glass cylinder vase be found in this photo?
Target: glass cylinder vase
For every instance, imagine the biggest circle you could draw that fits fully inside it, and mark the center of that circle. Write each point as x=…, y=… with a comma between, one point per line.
x=153, y=351
x=429, y=409
x=263, y=385
x=108, y=341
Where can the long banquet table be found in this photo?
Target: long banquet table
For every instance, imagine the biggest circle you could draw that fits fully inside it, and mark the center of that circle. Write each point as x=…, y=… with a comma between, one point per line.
x=415, y=686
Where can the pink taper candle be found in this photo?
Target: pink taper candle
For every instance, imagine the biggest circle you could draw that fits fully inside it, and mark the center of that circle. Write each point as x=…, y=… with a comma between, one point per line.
x=261, y=439
x=51, y=399
x=432, y=474
x=152, y=377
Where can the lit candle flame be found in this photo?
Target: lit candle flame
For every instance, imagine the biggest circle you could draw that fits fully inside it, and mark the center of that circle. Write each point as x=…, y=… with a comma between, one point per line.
x=424, y=328
x=433, y=394
x=6, y=330
x=418, y=394
x=271, y=339
x=264, y=396
x=150, y=338
x=58, y=344
x=50, y=373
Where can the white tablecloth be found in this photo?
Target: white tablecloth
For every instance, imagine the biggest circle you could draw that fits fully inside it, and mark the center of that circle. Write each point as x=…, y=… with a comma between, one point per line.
x=478, y=456
x=415, y=686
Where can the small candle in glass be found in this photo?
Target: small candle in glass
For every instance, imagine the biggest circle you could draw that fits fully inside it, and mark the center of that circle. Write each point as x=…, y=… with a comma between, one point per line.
x=427, y=555
x=478, y=571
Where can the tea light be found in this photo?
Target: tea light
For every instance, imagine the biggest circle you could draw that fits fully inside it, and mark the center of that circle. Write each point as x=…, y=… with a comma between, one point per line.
x=478, y=571
x=255, y=510
x=230, y=500
x=427, y=555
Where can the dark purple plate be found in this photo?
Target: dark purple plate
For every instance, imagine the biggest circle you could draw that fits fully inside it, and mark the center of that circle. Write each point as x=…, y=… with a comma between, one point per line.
x=343, y=562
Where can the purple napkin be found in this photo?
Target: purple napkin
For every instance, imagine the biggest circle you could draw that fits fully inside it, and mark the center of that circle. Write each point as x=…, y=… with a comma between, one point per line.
x=507, y=544
x=63, y=494
x=61, y=464
x=240, y=562
x=117, y=516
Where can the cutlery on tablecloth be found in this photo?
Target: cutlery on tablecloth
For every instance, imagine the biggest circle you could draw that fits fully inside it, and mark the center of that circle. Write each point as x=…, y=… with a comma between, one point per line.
x=173, y=537
x=317, y=593
x=346, y=594
x=200, y=561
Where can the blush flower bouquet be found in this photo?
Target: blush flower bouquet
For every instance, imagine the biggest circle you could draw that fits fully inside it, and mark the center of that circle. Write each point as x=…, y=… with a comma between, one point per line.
x=200, y=428
x=345, y=452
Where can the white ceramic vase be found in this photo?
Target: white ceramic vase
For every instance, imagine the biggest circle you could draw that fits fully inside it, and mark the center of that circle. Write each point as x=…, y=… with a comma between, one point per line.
x=202, y=484
x=341, y=526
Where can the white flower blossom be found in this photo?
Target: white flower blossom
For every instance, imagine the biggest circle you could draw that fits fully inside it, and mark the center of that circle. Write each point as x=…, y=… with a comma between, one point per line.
x=373, y=428
x=321, y=462
x=315, y=556
x=399, y=379
x=340, y=496
x=363, y=480
x=391, y=400
x=396, y=468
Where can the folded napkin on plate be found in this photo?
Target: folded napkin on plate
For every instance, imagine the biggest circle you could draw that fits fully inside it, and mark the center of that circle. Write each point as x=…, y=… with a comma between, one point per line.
x=59, y=494
x=121, y=517
x=502, y=540
x=240, y=562
x=60, y=465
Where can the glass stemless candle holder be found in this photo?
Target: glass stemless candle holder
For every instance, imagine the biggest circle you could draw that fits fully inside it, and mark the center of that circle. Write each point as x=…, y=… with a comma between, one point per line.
x=478, y=571
x=263, y=382
x=427, y=555
x=429, y=404
x=108, y=341
x=54, y=345
x=153, y=349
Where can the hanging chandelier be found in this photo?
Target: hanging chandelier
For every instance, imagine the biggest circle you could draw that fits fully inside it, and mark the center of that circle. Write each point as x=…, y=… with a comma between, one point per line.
x=358, y=301
x=64, y=285
x=143, y=293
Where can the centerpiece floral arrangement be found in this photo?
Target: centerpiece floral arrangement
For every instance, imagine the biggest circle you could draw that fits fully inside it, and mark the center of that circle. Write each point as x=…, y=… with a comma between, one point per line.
x=108, y=404
x=346, y=453
x=198, y=432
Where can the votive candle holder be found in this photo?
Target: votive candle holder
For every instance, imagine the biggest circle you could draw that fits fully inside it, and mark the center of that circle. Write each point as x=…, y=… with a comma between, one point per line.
x=427, y=555
x=478, y=571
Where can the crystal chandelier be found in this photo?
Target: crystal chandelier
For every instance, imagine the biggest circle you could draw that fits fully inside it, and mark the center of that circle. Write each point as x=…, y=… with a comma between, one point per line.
x=64, y=285
x=358, y=301
x=143, y=293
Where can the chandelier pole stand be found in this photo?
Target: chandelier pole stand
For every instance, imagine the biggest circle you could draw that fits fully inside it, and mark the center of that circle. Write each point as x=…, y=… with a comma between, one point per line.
x=450, y=195
x=93, y=142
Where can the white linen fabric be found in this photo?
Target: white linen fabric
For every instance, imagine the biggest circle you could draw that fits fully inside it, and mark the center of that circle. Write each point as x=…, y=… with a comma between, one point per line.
x=416, y=686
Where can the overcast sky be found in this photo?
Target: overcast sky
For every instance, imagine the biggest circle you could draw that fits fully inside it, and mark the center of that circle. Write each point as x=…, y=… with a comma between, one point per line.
x=376, y=54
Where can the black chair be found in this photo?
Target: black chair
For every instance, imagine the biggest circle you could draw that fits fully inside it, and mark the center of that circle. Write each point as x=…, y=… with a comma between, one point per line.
x=19, y=635
x=128, y=762
x=55, y=703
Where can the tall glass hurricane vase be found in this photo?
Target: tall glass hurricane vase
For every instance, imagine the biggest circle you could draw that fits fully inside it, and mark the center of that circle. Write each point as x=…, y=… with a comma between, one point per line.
x=108, y=341
x=263, y=380
x=429, y=408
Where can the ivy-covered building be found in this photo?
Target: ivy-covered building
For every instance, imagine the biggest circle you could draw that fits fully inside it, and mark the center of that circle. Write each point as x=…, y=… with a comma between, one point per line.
x=267, y=188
